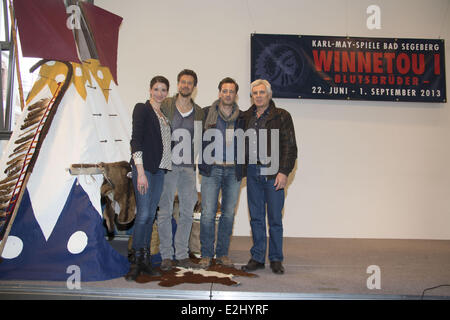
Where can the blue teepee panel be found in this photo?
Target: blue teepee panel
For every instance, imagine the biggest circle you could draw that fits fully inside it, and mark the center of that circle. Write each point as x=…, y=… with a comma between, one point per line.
x=49, y=260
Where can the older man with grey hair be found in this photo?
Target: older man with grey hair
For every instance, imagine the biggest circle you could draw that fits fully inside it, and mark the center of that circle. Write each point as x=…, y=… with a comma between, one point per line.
x=266, y=189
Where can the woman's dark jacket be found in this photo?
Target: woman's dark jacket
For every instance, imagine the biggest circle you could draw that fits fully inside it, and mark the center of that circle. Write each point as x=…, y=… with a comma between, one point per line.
x=146, y=136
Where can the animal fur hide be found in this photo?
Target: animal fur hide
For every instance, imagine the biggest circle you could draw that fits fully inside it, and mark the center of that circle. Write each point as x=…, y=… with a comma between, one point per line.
x=117, y=190
x=214, y=274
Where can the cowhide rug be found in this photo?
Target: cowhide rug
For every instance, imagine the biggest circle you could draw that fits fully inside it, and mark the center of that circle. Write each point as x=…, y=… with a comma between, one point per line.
x=214, y=274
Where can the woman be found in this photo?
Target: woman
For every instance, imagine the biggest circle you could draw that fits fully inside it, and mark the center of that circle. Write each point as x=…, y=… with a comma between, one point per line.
x=151, y=158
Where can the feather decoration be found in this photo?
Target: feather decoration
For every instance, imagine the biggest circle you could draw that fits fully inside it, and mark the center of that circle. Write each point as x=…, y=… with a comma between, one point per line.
x=43, y=103
x=21, y=140
x=7, y=186
x=34, y=114
x=18, y=158
x=14, y=170
x=32, y=129
x=5, y=192
x=9, y=178
x=29, y=124
x=20, y=148
x=12, y=166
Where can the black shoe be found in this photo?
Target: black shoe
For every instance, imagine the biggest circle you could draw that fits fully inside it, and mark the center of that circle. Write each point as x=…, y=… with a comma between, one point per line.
x=132, y=273
x=145, y=265
x=277, y=267
x=252, y=265
x=132, y=256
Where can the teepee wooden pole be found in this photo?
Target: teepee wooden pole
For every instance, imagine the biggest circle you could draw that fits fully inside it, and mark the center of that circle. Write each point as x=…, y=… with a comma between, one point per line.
x=16, y=55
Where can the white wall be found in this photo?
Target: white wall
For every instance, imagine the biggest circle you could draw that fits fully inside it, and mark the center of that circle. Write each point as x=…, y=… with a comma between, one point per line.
x=365, y=169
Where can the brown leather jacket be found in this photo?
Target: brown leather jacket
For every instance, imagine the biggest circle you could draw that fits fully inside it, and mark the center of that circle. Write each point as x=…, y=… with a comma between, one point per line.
x=278, y=119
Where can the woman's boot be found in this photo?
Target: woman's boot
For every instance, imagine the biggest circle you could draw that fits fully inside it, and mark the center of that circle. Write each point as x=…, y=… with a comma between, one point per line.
x=145, y=264
x=134, y=270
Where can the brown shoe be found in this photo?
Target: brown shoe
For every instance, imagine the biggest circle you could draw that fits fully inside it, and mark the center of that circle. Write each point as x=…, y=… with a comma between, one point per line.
x=205, y=263
x=225, y=261
x=187, y=263
x=166, y=265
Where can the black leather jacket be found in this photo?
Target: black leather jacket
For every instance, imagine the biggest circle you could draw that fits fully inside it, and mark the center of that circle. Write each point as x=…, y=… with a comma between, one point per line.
x=280, y=119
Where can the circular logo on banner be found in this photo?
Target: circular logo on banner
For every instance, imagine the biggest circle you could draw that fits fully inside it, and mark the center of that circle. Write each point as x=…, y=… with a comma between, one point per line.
x=281, y=65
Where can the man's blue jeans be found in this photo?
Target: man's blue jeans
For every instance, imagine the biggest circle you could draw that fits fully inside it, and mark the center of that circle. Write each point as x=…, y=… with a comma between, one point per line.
x=261, y=192
x=222, y=177
x=146, y=205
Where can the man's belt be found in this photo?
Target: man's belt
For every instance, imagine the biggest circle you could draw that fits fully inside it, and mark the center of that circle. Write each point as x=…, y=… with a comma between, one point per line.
x=224, y=164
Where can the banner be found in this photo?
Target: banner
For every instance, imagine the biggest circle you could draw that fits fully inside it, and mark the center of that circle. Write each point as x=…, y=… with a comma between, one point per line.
x=350, y=68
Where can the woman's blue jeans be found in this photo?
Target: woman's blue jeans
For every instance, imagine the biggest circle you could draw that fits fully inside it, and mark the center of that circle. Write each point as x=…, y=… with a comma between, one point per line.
x=221, y=178
x=146, y=205
x=262, y=193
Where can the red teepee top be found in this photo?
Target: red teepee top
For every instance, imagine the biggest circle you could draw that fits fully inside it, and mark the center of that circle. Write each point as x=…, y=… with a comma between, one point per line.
x=45, y=32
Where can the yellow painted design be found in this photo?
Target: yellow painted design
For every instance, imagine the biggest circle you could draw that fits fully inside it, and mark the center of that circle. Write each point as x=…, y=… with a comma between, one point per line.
x=52, y=72
x=102, y=75
x=81, y=78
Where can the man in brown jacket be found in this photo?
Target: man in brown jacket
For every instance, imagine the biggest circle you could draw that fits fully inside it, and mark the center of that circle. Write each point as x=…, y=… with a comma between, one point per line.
x=267, y=174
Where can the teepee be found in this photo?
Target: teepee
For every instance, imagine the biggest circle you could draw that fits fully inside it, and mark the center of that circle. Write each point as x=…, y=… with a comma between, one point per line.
x=51, y=219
